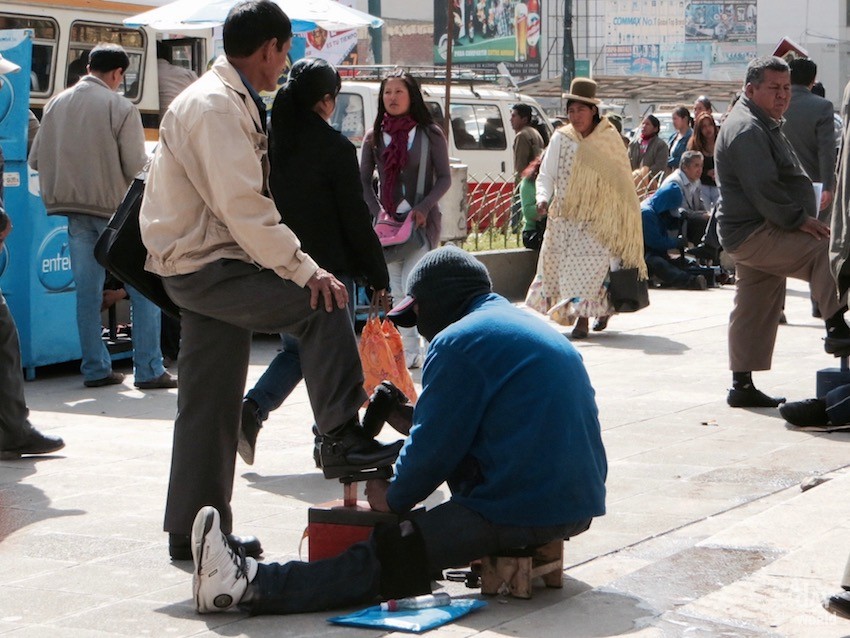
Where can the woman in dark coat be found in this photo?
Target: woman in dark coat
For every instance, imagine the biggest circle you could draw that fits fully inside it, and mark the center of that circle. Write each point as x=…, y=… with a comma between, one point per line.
x=315, y=182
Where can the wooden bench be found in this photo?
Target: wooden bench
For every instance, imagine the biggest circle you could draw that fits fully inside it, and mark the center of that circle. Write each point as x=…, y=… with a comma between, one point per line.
x=517, y=568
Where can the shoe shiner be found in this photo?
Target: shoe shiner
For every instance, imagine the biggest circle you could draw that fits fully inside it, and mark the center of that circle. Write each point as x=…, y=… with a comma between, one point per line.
x=507, y=417
x=17, y=435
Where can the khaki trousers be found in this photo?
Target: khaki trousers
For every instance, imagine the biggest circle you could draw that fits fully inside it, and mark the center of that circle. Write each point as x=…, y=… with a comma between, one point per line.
x=762, y=263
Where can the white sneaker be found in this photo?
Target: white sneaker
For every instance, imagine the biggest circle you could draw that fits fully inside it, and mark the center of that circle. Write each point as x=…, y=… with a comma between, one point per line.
x=413, y=360
x=221, y=575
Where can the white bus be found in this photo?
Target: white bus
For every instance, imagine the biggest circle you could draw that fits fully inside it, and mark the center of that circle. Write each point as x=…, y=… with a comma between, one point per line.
x=64, y=33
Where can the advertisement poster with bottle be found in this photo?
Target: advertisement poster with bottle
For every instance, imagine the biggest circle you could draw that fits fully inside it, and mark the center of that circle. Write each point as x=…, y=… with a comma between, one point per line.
x=487, y=32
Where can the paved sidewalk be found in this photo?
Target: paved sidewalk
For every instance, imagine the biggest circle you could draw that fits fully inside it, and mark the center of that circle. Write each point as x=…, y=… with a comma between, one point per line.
x=707, y=531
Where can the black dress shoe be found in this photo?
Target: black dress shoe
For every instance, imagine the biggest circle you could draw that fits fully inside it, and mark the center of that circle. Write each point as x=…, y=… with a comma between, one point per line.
x=805, y=413
x=35, y=443
x=838, y=346
x=249, y=428
x=351, y=450
x=752, y=398
x=180, y=545
x=838, y=604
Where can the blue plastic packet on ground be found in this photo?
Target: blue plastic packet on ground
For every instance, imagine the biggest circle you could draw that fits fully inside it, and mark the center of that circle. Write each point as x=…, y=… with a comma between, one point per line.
x=412, y=620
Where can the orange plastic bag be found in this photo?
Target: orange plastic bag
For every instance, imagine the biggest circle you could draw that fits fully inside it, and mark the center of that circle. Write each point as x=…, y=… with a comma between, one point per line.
x=382, y=356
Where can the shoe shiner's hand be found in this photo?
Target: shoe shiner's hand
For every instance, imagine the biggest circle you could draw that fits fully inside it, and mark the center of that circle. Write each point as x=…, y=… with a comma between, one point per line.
x=331, y=290
x=376, y=492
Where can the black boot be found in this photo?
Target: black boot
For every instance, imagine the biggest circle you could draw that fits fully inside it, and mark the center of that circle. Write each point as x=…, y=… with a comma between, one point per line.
x=349, y=449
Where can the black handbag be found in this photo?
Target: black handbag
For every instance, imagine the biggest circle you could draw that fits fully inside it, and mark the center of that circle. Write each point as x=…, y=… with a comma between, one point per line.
x=626, y=291
x=120, y=250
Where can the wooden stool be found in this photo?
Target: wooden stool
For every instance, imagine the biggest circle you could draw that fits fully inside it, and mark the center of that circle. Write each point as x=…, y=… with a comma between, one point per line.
x=516, y=569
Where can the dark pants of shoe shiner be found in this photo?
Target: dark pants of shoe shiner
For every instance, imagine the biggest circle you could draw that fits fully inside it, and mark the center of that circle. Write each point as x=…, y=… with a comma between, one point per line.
x=667, y=272
x=221, y=306
x=762, y=263
x=284, y=372
x=453, y=536
x=14, y=415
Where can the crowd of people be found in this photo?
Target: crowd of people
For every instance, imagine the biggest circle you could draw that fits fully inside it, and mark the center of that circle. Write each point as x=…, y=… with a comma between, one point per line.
x=248, y=241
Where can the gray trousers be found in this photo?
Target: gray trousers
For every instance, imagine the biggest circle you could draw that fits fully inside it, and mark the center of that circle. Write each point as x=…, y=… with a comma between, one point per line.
x=762, y=264
x=221, y=306
x=14, y=415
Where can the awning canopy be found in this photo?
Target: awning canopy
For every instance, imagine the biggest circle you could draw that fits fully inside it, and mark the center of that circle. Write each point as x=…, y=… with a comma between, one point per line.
x=306, y=15
x=644, y=88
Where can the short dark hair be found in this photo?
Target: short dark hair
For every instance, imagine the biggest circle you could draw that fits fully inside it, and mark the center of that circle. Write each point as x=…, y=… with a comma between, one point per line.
x=756, y=68
x=803, y=71
x=108, y=57
x=523, y=110
x=252, y=23
x=817, y=89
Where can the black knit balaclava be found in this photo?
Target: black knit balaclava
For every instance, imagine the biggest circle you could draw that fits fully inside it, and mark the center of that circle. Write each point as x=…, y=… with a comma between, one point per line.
x=443, y=283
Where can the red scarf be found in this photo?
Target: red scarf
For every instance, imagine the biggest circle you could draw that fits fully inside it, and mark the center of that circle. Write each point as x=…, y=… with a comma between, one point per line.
x=394, y=156
x=644, y=141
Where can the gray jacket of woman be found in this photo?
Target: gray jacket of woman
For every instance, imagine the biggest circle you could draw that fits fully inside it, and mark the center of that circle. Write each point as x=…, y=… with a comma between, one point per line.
x=438, y=177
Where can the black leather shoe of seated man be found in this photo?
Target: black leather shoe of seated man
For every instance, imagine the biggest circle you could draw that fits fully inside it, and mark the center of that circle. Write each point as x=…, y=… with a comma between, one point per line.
x=350, y=449
x=750, y=397
x=180, y=545
x=806, y=413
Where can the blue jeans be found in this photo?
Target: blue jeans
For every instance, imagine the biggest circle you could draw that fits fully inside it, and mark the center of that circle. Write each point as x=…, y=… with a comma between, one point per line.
x=399, y=273
x=284, y=372
x=83, y=232
x=453, y=535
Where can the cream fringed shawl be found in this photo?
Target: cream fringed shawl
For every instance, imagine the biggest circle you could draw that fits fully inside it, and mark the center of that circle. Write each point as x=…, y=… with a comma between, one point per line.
x=601, y=192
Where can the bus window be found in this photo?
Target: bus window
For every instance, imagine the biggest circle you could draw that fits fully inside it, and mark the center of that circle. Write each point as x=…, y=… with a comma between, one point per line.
x=87, y=35
x=478, y=126
x=190, y=53
x=436, y=111
x=348, y=117
x=45, y=38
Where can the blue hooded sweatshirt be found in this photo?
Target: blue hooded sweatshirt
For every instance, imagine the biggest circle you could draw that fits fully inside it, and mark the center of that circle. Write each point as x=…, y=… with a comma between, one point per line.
x=657, y=214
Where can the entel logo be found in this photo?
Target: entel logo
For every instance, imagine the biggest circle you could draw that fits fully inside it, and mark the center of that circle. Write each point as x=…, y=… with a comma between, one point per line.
x=54, y=261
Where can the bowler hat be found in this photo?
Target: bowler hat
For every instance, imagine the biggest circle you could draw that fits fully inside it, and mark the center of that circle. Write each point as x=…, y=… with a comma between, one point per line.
x=582, y=90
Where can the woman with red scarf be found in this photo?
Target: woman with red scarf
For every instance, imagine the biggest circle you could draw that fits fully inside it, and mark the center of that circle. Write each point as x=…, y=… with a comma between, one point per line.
x=647, y=149
x=393, y=147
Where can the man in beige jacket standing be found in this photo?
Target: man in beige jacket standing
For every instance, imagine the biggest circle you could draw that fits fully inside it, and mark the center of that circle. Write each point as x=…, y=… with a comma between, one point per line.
x=214, y=235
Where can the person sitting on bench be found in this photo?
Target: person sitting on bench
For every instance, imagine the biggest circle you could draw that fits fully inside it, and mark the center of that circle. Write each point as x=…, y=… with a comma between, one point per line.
x=507, y=417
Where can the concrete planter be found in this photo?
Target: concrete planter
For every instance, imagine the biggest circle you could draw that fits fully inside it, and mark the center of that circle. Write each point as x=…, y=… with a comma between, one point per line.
x=511, y=270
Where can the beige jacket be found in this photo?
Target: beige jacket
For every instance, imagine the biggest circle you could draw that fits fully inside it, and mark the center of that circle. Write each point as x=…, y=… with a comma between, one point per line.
x=207, y=194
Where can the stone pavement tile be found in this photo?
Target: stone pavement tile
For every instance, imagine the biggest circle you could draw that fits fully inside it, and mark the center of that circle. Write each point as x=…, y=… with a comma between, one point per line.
x=40, y=631
x=139, y=616
x=599, y=612
x=15, y=567
x=637, y=471
x=115, y=579
x=21, y=605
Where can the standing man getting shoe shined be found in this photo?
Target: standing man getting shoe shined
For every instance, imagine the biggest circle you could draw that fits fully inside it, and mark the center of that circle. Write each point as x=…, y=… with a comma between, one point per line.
x=214, y=235
x=767, y=222
x=523, y=468
x=17, y=435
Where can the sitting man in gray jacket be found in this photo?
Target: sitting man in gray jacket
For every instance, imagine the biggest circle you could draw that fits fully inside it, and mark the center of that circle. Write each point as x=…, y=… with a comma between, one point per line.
x=767, y=223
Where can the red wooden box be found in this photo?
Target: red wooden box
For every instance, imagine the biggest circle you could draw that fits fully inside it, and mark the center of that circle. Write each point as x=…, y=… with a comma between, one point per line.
x=332, y=528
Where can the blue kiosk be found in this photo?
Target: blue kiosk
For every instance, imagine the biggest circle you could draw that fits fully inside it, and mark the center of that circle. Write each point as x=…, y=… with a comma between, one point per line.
x=35, y=265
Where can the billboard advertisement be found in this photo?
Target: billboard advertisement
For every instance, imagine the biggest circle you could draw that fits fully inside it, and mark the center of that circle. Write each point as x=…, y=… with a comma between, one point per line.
x=721, y=21
x=487, y=32
x=703, y=39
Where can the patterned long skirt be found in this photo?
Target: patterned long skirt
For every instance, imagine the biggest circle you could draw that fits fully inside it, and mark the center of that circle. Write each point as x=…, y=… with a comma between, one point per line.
x=572, y=272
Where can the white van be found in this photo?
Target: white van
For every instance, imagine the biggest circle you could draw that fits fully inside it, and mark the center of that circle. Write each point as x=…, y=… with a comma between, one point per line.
x=481, y=136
